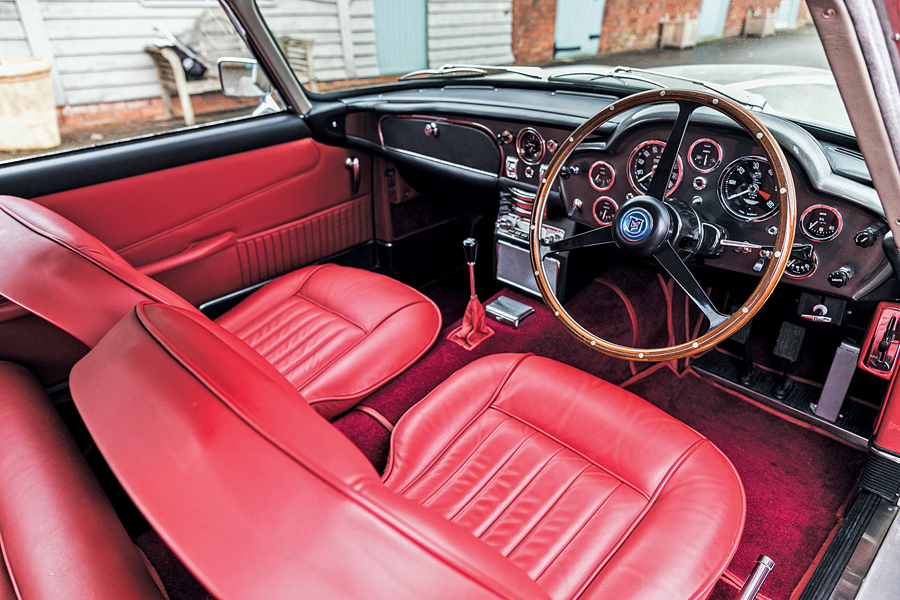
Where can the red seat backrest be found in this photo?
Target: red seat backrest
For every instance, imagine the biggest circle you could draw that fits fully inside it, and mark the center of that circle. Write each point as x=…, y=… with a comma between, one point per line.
x=258, y=494
x=58, y=271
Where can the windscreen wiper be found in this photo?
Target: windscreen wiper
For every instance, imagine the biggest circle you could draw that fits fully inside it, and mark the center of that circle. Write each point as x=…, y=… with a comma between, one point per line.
x=473, y=71
x=613, y=74
x=622, y=73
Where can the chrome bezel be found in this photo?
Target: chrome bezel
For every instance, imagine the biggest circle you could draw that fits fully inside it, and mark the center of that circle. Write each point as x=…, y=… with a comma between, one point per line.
x=594, y=210
x=521, y=134
x=591, y=176
x=721, y=195
x=813, y=238
x=815, y=266
x=691, y=155
x=678, y=162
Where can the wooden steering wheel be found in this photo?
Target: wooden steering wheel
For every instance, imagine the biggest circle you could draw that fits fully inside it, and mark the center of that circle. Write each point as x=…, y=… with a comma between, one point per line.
x=651, y=226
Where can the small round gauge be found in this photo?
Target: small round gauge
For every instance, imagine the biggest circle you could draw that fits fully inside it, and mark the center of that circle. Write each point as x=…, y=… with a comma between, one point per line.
x=642, y=164
x=604, y=210
x=530, y=146
x=747, y=189
x=801, y=268
x=602, y=176
x=705, y=155
x=821, y=223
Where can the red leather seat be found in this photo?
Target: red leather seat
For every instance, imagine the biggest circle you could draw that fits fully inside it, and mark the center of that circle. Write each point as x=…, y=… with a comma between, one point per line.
x=60, y=537
x=518, y=477
x=337, y=333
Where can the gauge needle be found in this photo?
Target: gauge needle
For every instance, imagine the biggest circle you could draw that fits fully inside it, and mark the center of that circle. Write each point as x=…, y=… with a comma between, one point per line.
x=747, y=191
x=652, y=171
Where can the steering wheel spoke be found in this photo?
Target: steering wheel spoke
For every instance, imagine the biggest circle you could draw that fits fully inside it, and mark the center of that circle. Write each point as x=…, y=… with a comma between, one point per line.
x=675, y=267
x=663, y=171
x=594, y=237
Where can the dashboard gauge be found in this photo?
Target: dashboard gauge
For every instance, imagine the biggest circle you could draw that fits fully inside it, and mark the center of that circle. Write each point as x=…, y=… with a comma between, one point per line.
x=642, y=164
x=747, y=189
x=705, y=155
x=602, y=176
x=604, y=210
x=801, y=268
x=821, y=223
x=530, y=146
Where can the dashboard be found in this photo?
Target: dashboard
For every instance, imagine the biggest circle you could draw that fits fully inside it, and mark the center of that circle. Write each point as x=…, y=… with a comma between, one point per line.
x=720, y=173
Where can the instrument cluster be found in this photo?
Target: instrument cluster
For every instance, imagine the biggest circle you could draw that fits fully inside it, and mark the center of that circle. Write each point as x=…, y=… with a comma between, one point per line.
x=727, y=181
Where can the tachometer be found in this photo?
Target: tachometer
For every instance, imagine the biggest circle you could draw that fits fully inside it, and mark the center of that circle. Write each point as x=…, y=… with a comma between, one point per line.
x=642, y=164
x=602, y=176
x=530, y=146
x=705, y=155
x=821, y=222
x=747, y=189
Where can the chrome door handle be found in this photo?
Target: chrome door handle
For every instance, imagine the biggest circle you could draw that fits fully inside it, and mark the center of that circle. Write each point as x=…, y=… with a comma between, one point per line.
x=352, y=164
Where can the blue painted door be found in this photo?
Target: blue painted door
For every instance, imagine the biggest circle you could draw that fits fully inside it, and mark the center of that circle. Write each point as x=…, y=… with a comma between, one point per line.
x=577, y=27
x=711, y=22
x=401, y=42
x=787, y=14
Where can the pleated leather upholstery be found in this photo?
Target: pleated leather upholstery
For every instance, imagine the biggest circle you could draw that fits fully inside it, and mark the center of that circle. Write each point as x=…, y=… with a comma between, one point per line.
x=588, y=489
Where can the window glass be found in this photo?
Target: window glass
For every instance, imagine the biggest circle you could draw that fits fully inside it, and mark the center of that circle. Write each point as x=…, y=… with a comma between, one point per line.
x=766, y=52
x=87, y=73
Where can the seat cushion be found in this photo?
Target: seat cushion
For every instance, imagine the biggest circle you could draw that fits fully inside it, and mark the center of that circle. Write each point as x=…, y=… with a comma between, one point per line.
x=60, y=536
x=590, y=490
x=336, y=333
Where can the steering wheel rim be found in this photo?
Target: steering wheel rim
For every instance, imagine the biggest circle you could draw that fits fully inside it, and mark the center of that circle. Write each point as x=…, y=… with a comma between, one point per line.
x=687, y=101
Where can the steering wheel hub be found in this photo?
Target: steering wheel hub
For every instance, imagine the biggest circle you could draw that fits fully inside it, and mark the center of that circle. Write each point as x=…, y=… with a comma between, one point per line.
x=641, y=226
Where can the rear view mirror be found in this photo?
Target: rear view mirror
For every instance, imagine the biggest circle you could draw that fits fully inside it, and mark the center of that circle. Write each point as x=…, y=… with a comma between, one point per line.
x=242, y=78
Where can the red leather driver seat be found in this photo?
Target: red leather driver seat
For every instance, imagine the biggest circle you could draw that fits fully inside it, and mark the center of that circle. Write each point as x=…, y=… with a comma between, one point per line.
x=336, y=333
x=518, y=477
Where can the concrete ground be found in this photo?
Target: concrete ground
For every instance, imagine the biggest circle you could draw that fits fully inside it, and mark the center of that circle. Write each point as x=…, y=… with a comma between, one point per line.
x=800, y=47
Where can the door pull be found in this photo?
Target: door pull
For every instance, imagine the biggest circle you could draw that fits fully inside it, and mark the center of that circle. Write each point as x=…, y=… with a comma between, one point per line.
x=352, y=164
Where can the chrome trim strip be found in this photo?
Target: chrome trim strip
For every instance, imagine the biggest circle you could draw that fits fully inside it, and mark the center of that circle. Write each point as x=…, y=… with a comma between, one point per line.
x=885, y=454
x=442, y=162
x=863, y=556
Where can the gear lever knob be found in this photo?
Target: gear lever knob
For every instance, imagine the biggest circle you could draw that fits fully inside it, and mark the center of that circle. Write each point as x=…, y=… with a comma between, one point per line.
x=470, y=248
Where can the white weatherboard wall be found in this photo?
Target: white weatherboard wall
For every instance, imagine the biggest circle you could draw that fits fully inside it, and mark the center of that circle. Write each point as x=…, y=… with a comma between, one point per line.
x=469, y=31
x=97, y=46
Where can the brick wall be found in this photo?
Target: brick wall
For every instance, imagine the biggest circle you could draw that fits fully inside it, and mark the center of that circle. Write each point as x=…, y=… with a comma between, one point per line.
x=533, y=26
x=734, y=24
x=629, y=25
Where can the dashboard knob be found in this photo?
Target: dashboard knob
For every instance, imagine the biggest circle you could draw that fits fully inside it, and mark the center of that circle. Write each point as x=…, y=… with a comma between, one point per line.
x=867, y=237
x=841, y=277
x=431, y=130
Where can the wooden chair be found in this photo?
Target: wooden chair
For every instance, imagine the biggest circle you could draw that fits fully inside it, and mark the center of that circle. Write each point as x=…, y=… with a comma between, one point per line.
x=299, y=54
x=211, y=37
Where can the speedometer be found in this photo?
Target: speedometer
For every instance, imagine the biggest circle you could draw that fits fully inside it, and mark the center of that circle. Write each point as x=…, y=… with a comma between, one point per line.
x=747, y=189
x=642, y=165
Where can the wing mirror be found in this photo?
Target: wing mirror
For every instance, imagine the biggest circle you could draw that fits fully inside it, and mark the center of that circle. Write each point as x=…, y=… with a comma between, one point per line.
x=242, y=78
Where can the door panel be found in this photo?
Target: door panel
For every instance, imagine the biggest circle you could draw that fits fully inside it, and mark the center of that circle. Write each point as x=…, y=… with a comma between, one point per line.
x=400, y=43
x=711, y=22
x=154, y=217
x=577, y=28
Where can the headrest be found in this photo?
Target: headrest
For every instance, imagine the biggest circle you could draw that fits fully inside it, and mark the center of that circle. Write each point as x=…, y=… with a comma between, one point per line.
x=258, y=494
x=58, y=271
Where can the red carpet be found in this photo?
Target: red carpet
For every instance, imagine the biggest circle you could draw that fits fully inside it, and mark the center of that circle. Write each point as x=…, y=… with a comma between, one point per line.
x=796, y=479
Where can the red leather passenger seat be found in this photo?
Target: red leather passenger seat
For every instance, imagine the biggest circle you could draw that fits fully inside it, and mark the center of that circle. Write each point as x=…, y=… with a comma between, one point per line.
x=60, y=537
x=518, y=477
x=337, y=333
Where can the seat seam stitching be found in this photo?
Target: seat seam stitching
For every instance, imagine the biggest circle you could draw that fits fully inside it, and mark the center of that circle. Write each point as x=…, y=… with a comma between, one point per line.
x=312, y=349
x=465, y=428
x=486, y=527
x=492, y=476
x=251, y=328
x=639, y=519
x=353, y=347
x=9, y=569
x=464, y=462
x=548, y=510
x=574, y=451
x=286, y=328
x=579, y=530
